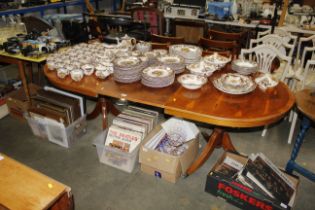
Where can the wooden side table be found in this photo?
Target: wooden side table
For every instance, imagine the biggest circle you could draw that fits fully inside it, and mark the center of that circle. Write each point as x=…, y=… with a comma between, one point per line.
x=24, y=188
x=305, y=101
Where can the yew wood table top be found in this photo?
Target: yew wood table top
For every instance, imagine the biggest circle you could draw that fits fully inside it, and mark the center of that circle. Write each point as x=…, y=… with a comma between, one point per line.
x=24, y=188
x=135, y=92
x=212, y=106
x=207, y=104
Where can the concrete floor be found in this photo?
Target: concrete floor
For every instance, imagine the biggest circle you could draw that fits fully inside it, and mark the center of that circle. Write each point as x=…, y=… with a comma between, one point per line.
x=97, y=186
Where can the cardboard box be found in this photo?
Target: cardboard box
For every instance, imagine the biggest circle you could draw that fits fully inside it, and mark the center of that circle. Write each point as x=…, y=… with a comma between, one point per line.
x=17, y=102
x=238, y=194
x=163, y=165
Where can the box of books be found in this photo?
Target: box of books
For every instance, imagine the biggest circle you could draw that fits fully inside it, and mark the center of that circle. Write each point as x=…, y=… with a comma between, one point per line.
x=115, y=157
x=252, y=183
x=169, y=149
x=120, y=145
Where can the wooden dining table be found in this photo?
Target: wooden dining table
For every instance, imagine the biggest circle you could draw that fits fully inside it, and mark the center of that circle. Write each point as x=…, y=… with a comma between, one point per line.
x=206, y=105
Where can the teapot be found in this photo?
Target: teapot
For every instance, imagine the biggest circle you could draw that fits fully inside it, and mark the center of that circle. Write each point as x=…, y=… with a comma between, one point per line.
x=126, y=41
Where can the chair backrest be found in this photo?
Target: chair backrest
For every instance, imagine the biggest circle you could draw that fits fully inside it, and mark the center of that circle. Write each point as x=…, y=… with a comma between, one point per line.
x=167, y=39
x=218, y=46
x=224, y=36
x=239, y=38
x=149, y=15
x=302, y=42
x=264, y=56
x=276, y=41
x=310, y=66
x=287, y=36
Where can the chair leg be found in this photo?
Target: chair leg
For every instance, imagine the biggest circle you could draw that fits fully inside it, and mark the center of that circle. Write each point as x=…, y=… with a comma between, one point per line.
x=292, y=128
x=264, y=132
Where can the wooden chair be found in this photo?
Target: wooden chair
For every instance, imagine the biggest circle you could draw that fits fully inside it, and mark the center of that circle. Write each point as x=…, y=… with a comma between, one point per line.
x=239, y=38
x=157, y=45
x=210, y=46
x=150, y=15
x=167, y=39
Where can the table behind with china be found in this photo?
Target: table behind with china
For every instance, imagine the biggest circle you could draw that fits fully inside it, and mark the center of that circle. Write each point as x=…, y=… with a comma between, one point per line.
x=24, y=188
x=21, y=61
x=207, y=104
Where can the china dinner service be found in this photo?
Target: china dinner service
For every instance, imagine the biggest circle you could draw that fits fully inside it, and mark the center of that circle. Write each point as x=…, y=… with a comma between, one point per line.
x=216, y=59
x=244, y=67
x=157, y=76
x=190, y=53
x=201, y=69
x=234, y=83
x=127, y=69
x=174, y=62
x=192, y=81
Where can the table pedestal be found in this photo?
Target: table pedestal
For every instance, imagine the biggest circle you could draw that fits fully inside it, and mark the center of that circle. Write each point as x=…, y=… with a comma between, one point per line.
x=219, y=138
x=103, y=106
x=292, y=165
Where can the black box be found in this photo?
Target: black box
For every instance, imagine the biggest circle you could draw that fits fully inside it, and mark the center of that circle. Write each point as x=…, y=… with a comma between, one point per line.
x=238, y=194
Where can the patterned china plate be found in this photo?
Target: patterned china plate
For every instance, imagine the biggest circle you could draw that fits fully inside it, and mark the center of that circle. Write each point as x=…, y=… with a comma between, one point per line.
x=233, y=83
x=127, y=61
x=171, y=59
x=157, y=72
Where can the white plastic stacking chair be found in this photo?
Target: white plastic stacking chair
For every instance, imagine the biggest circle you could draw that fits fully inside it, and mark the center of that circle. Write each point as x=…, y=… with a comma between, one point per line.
x=288, y=37
x=310, y=66
x=276, y=41
x=264, y=56
x=299, y=47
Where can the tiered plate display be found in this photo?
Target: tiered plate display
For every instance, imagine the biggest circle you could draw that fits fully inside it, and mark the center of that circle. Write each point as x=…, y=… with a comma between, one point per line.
x=234, y=83
x=191, y=53
x=244, y=67
x=174, y=62
x=127, y=69
x=157, y=76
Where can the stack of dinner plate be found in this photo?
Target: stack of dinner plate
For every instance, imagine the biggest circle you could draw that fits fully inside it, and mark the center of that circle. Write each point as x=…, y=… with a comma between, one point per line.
x=128, y=69
x=244, y=67
x=157, y=76
x=191, y=53
x=174, y=62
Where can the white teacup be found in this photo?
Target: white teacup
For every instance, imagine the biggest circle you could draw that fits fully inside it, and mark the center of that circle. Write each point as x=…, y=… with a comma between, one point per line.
x=76, y=75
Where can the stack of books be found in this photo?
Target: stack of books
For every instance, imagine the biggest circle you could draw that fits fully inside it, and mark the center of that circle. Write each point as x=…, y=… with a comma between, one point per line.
x=262, y=176
x=130, y=127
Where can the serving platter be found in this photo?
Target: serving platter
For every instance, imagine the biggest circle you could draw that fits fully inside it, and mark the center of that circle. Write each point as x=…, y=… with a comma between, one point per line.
x=234, y=83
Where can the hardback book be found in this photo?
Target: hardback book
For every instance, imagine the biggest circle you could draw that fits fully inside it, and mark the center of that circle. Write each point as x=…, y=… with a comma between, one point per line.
x=122, y=138
x=268, y=179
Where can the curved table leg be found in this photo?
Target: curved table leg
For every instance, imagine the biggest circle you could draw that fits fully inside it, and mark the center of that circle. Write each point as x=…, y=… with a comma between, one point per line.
x=218, y=138
x=102, y=106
